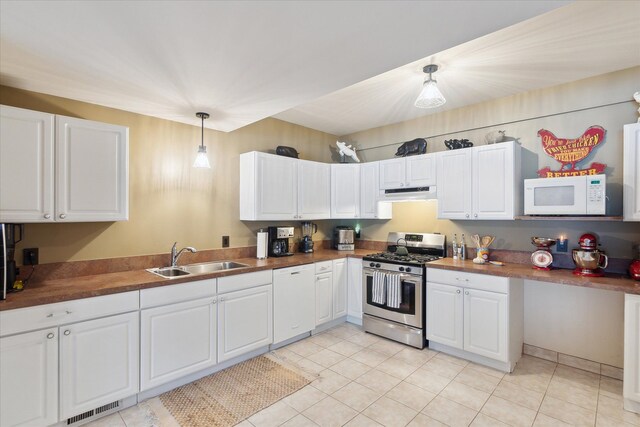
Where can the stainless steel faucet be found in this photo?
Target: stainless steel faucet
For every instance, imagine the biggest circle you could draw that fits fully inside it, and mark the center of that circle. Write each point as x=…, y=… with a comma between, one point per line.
x=175, y=254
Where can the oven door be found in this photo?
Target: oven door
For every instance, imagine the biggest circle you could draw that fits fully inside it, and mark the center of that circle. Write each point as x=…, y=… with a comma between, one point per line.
x=410, y=310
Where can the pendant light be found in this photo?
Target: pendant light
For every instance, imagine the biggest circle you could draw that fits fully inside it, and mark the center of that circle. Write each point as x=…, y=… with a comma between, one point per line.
x=202, y=161
x=430, y=97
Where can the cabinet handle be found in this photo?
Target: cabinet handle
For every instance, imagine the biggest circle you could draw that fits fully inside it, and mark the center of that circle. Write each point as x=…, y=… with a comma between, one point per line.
x=50, y=335
x=461, y=280
x=63, y=216
x=58, y=314
x=458, y=291
x=466, y=293
x=67, y=332
x=295, y=272
x=47, y=216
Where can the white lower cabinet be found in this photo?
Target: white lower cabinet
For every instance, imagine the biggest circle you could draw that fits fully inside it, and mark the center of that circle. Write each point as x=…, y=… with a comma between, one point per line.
x=98, y=362
x=631, y=384
x=339, y=282
x=324, y=298
x=475, y=315
x=245, y=321
x=293, y=302
x=29, y=379
x=176, y=340
x=354, y=289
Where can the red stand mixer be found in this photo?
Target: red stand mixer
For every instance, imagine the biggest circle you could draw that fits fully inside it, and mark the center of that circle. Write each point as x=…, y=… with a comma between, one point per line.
x=589, y=260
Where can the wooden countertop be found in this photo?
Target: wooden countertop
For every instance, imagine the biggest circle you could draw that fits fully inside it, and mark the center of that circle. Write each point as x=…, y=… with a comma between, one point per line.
x=52, y=291
x=611, y=282
x=58, y=290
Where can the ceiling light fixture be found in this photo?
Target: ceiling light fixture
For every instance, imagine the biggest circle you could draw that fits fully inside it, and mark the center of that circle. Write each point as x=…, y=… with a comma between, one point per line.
x=202, y=161
x=430, y=97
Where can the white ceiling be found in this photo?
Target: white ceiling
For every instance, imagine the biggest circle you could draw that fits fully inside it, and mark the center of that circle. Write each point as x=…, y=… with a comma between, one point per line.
x=244, y=61
x=577, y=41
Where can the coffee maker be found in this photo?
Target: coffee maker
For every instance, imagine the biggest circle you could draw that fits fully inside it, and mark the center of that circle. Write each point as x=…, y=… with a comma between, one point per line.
x=306, y=243
x=8, y=270
x=279, y=241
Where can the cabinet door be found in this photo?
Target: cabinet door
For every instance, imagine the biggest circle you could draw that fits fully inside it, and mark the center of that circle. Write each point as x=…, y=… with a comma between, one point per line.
x=631, y=381
x=454, y=184
x=369, y=193
x=392, y=173
x=421, y=170
x=314, y=190
x=293, y=302
x=26, y=165
x=345, y=190
x=485, y=323
x=176, y=340
x=245, y=321
x=29, y=379
x=324, y=298
x=631, y=156
x=276, y=181
x=98, y=362
x=92, y=171
x=340, y=280
x=493, y=181
x=354, y=298
x=445, y=314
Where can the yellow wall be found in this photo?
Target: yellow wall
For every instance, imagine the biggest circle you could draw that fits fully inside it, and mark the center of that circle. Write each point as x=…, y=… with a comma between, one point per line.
x=570, y=109
x=168, y=199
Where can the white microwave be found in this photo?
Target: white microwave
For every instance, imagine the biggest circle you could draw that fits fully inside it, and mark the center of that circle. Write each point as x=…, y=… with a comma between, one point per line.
x=572, y=195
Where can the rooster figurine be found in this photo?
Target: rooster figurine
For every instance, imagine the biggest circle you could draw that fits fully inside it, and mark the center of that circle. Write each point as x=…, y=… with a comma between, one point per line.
x=571, y=151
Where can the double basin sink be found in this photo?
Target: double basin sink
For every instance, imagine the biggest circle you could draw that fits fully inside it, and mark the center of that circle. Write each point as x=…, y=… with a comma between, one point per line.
x=201, y=268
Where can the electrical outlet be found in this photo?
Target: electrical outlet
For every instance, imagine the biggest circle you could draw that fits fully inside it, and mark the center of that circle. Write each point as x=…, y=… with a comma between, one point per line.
x=225, y=241
x=30, y=256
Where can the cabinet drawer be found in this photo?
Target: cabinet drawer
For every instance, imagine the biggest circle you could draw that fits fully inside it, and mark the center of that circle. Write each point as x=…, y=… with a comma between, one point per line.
x=244, y=281
x=483, y=282
x=293, y=270
x=48, y=315
x=176, y=293
x=324, y=266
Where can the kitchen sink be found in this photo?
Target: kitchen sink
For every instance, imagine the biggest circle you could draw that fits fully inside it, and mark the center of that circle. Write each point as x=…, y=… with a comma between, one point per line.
x=210, y=267
x=201, y=268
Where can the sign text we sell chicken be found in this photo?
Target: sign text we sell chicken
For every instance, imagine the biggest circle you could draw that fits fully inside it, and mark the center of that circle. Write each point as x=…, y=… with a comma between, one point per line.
x=570, y=152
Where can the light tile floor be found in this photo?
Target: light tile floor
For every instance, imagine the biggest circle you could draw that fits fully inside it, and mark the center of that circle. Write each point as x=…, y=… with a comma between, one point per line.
x=364, y=380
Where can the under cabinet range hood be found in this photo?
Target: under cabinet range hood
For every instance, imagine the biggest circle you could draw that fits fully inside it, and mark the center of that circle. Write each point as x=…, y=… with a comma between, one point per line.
x=406, y=194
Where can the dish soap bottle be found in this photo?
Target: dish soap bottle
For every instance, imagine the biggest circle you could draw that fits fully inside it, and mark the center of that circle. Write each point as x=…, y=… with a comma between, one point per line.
x=463, y=248
x=454, y=244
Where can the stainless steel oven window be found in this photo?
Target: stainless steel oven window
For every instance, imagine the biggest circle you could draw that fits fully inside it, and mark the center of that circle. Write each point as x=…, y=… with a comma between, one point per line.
x=410, y=311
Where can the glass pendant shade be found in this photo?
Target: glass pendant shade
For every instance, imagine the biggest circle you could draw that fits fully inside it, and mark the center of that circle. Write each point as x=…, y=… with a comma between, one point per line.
x=202, y=161
x=430, y=96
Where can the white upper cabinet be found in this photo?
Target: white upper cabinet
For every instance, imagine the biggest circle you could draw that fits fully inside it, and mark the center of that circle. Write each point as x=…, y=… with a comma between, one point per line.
x=345, y=191
x=482, y=182
x=26, y=165
x=631, y=156
x=314, y=190
x=92, y=164
x=281, y=188
x=56, y=168
x=370, y=207
x=408, y=172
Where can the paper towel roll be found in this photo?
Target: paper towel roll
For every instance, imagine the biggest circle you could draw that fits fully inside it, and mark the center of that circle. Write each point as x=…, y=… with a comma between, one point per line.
x=263, y=238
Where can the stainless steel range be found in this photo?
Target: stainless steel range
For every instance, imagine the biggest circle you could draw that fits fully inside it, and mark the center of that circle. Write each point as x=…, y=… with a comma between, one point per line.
x=394, y=286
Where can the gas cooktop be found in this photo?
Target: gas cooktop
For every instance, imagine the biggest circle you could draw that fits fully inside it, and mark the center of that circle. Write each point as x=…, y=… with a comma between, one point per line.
x=391, y=257
x=421, y=248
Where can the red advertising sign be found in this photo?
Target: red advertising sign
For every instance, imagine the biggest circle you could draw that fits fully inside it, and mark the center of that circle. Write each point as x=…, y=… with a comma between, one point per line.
x=570, y=152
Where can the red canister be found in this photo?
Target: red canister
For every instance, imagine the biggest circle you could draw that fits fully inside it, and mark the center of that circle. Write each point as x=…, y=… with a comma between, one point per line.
x=634, y=269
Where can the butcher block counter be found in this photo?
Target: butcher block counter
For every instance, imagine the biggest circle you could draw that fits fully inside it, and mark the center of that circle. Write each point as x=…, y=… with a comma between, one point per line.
x=63, y=289
x=611, y=282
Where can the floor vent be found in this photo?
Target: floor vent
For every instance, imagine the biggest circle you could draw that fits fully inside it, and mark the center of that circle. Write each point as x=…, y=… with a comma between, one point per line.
x=93, y=412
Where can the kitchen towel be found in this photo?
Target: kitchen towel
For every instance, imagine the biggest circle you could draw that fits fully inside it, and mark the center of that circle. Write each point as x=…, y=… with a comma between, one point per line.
x=379, y=289
x=394, y=290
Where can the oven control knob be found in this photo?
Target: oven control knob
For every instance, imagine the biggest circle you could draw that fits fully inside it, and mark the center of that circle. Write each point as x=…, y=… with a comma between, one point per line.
x=401, y=268
x=377, y=265
x=408, y=269
x=372, y=264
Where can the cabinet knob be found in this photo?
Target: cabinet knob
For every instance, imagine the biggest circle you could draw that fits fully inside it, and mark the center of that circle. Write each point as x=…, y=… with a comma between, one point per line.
x=215, y=301
x=50, y=335
x=221, y=299
x=63, y=216
x=466, y=293
x=467, y=215
x=47, y=216
x=402, y=184
x=67, y=332
x=475, y=215
x=458, y=291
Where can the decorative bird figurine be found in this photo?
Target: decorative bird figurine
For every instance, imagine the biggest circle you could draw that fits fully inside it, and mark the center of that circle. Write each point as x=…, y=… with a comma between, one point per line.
x=571, y=151
x=348, y=150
